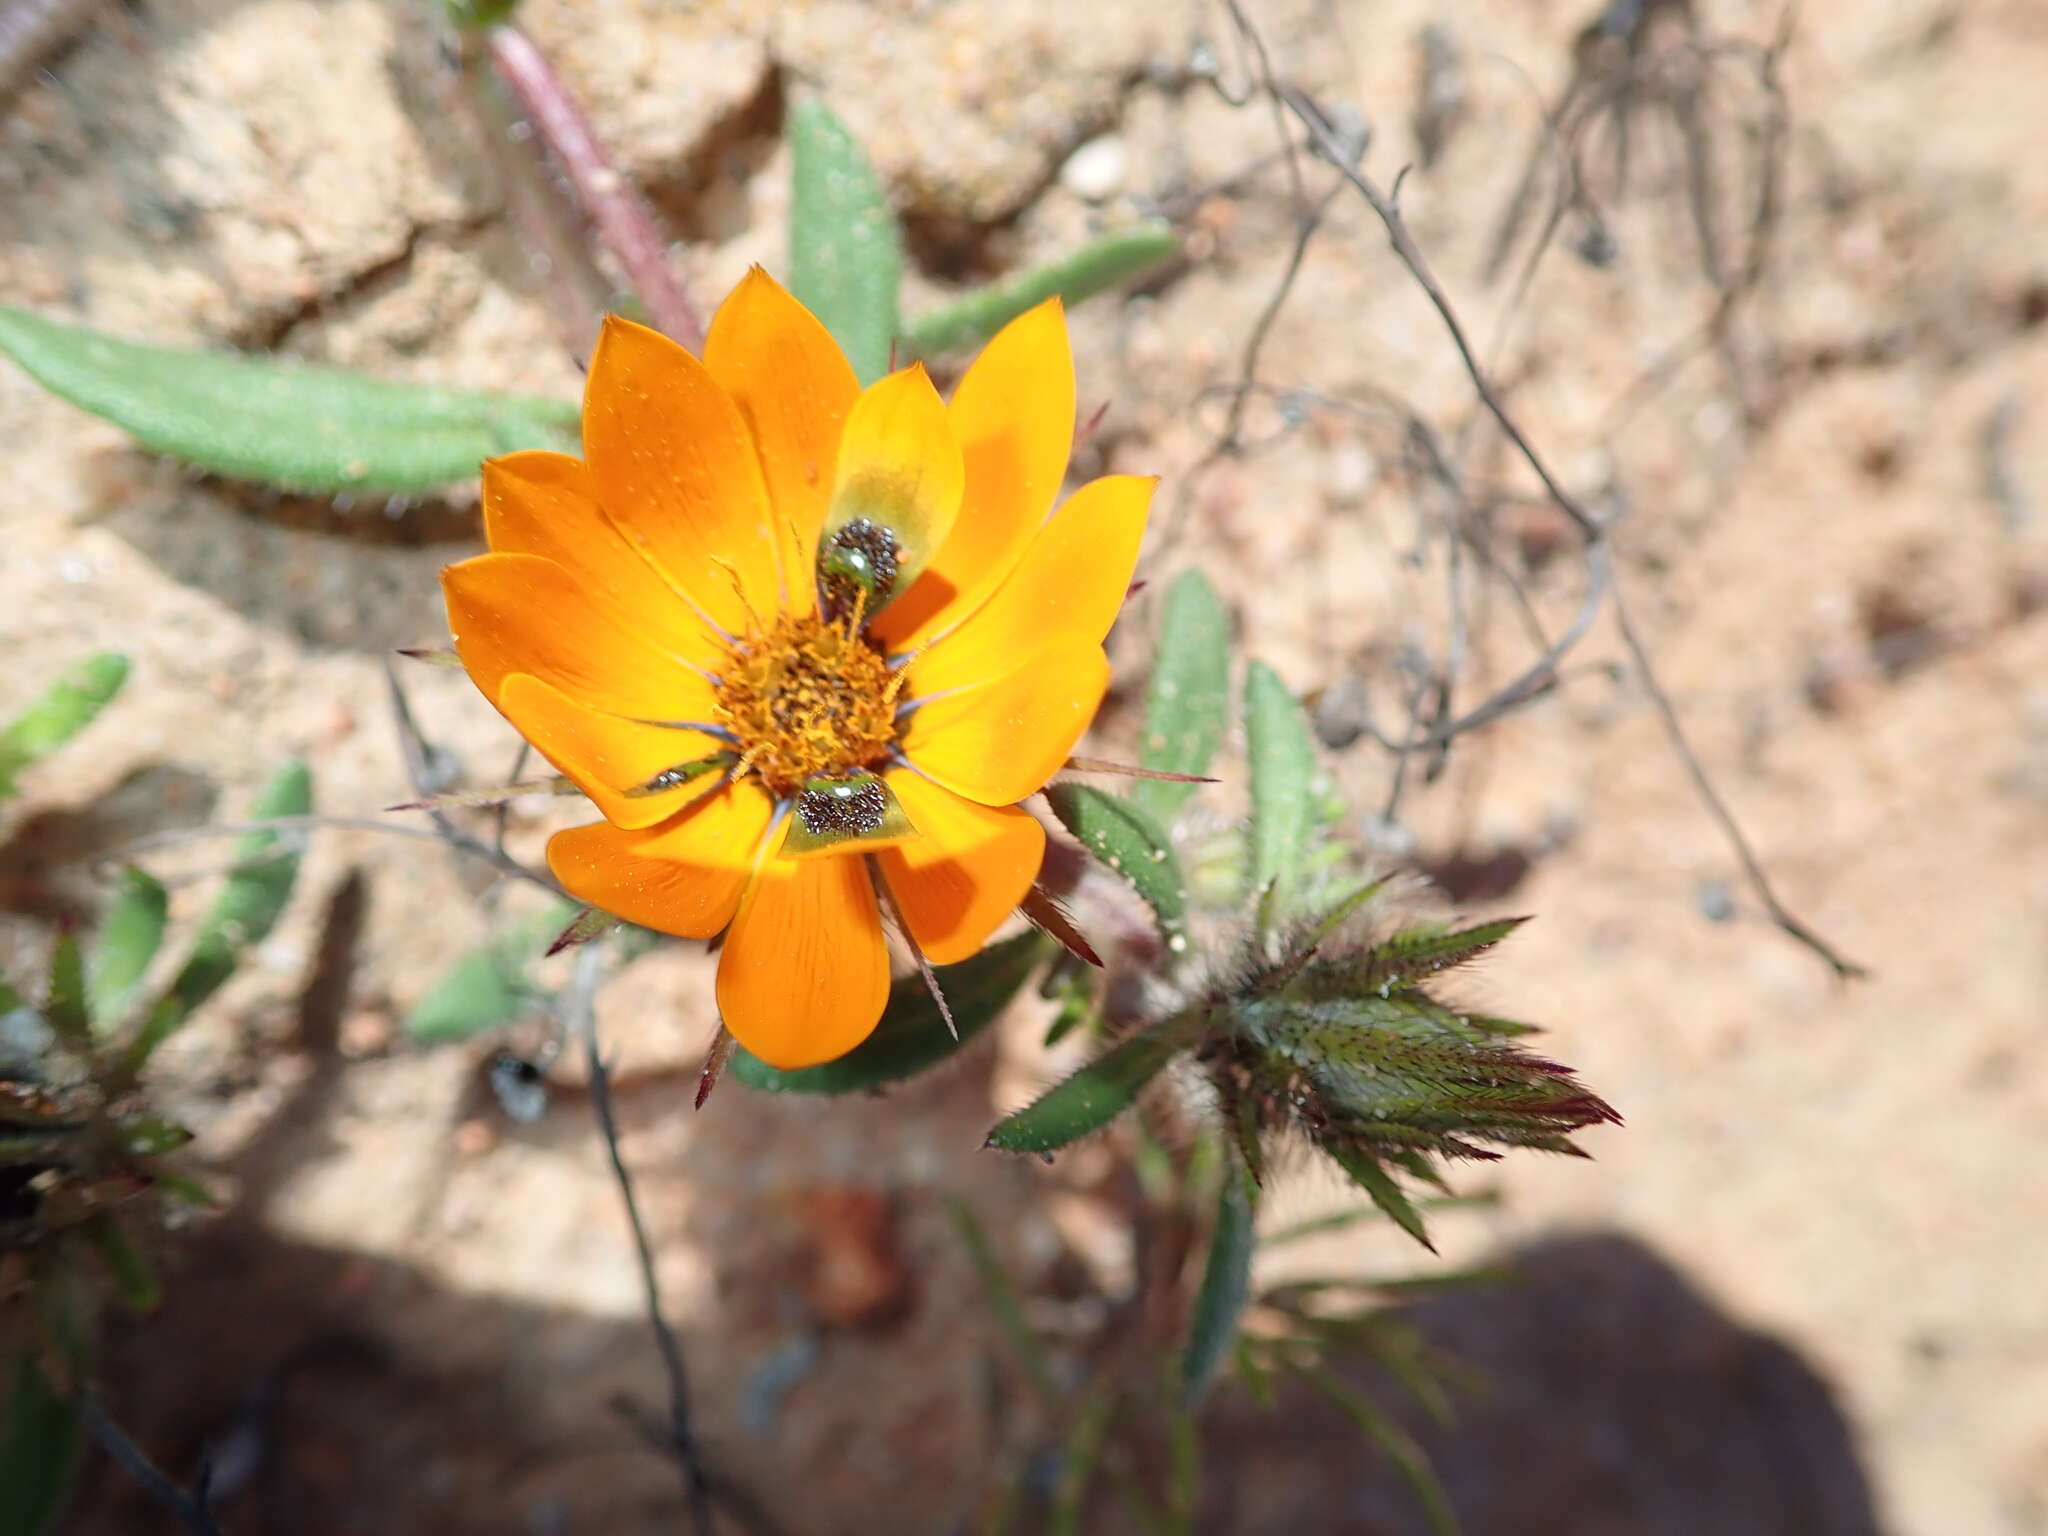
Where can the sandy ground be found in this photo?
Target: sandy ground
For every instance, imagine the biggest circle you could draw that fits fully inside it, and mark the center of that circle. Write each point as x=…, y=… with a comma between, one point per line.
x=1799, y=1292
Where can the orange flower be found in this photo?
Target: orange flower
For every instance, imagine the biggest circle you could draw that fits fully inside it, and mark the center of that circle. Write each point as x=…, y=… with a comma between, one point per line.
x=801, y=641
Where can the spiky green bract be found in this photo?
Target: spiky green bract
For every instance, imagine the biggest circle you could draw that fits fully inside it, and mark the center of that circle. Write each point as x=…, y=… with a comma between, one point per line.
x=1330, y=1036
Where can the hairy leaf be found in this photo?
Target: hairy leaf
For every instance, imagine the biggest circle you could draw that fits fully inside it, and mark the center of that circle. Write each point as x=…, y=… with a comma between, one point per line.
x=1283, y=770
x=128, y=940
x=247, y=908
x=1189, y=699
x=845, y=256
x=1081, y=274
x=1226, y=1286
x=1414, y=953
x=489, y=986
x=912, y=1035
x=67, y=707
x=1124, y=836
x=308, y=429
x=1093, y=1096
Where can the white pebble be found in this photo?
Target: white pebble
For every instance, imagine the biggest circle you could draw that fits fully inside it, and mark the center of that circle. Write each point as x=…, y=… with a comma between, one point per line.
x=1096, y=170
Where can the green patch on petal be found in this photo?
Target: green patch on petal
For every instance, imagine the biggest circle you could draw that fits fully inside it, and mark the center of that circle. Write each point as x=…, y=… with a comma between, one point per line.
x=837, y=810
x=681, y=774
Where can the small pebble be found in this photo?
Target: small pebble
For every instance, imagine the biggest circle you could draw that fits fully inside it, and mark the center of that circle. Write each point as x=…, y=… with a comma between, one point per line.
x=1097, y=169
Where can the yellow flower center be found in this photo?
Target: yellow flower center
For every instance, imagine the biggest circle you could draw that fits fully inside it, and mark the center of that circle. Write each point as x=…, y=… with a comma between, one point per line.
x=806, y=696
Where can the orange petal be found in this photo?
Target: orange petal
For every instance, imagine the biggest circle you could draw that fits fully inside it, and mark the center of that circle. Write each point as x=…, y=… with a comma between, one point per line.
x=683, y=877
x=794, y=387
x=804, y=973
x=520, y=613
x=539, y=503
x=900, y=466
x=606, y=755
x=1013, y=413
x=1000, y=740
x=675, y=467
x=1072, y=579
x=968, y=871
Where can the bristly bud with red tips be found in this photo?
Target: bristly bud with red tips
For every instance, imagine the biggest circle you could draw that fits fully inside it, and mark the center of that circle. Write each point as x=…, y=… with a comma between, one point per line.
x=1329, y=1036
x=1326, y=1035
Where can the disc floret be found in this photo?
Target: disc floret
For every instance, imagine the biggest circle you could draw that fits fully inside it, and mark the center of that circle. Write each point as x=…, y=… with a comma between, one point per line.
x=804, y=696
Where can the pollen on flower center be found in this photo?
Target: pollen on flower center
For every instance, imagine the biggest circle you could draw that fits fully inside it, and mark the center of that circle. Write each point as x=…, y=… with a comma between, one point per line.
x=806, y=696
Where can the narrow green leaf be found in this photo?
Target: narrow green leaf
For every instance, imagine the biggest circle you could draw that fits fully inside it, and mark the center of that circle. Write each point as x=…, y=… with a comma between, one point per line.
x=1101, y=263
x=67, y=707
x=134, y=1280
x=1093, y=1096
x=1226, y=1286
x=128, y=940
x=1394, y=1443
x=1190, y=694
x=912, y=1035
x=1080, y=1457
x=41, y=1446
x=64, y=1008
x=1123, y=835
x=242, y=915
x=1283, y=770
x=1003, y=1300
x=845, y=256
x=310, y=429
x=1368, y=1175
x=490, y=985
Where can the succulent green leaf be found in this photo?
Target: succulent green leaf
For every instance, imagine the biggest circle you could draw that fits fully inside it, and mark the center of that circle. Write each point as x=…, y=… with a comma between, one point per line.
x=912, y=1035
x=244, y=912
x=1100, y=264
x=1189, y=699
x=845, y=256
x=1093, y=1096
x=1283, y=771
x=490, y=985
x=134, y=1280
x=1226, y=1286
x=66, y=708
x=1123, y=835
x=41, y=1446
x=64, y=1010
x=128, y=940
x=1367, y=1173
x=308, y=429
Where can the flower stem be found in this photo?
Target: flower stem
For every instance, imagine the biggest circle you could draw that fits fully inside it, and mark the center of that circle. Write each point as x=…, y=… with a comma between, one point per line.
x=624, y=222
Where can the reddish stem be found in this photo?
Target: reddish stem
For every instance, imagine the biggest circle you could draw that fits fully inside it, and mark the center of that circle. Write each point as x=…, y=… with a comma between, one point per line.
x=624, y=222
